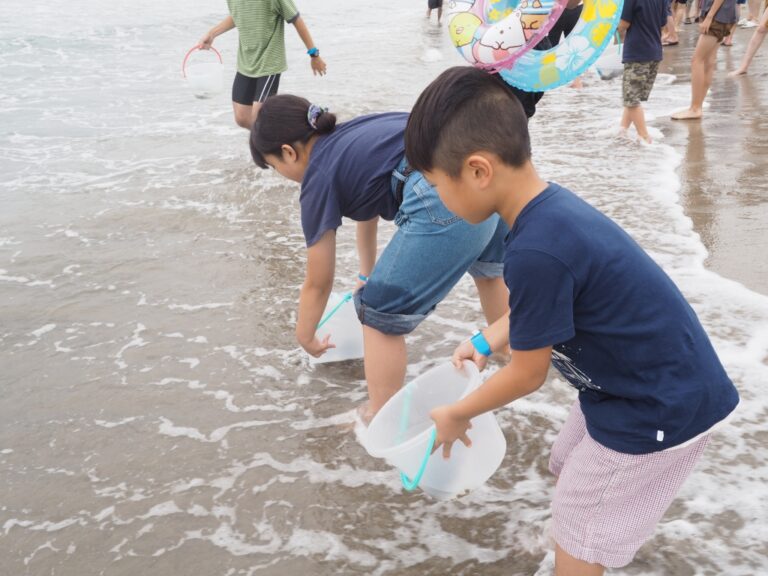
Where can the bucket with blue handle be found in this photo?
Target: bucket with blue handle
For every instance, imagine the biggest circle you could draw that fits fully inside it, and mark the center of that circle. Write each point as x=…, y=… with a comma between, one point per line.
x=341, y=322
x=403, y=434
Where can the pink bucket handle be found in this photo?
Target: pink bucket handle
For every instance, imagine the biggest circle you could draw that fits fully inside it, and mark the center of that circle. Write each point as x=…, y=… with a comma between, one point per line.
x=184, y=63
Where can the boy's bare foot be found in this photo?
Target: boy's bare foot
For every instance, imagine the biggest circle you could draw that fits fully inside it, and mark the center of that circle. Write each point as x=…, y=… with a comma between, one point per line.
x=687, y=114
x=644, y=139
x=738, y=72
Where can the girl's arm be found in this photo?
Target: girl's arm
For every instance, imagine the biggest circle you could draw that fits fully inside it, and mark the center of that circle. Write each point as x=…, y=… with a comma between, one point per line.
x=524, y=374
x=317, y=63
x=318, y=283
x=225, y=25
x=366, y=245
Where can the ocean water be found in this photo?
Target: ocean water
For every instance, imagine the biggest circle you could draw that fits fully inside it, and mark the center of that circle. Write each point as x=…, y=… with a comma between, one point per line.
x=157, y=416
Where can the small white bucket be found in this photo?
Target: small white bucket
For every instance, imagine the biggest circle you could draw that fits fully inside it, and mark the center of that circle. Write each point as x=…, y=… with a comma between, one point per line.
x=205, y=79
x=609, y=64
x=403, y=434
x=341, y=322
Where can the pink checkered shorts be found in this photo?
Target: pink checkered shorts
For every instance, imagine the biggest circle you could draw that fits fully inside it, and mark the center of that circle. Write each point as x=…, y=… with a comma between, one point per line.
x=607, y=503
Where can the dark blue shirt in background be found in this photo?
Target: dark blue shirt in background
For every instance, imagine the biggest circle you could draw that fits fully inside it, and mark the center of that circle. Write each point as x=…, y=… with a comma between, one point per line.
x=642, y=42
x=350, y=173
x=623, y=334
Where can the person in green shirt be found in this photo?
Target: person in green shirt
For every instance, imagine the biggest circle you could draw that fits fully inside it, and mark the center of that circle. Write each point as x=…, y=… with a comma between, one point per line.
x=261, y=51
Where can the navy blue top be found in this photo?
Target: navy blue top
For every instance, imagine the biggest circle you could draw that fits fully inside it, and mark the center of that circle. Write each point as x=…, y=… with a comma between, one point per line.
x=350, y=173
x=728, y=14
x=642, y=42
x=623, y=334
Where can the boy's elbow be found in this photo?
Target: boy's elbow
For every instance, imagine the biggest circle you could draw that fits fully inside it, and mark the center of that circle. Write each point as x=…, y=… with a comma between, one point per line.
x=536, y=381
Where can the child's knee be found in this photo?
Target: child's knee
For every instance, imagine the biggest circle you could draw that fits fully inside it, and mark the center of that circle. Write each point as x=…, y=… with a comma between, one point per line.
x=243, y=120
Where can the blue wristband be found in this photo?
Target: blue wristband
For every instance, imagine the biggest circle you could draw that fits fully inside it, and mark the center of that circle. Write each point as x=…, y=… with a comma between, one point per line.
x=362, y=277
x=481, y=344
x=313, y=51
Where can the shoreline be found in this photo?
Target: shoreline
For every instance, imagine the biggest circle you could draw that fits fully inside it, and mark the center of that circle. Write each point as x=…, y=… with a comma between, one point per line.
x=721, y=186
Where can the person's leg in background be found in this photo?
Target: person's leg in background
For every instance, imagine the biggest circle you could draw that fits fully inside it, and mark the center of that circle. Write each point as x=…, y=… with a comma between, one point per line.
x=753, y=14
x=488, y=273
x=427, y=256
x=754, y=44
x=248, y=94
x=243, y=89
x=702, y=69
x=669, y=35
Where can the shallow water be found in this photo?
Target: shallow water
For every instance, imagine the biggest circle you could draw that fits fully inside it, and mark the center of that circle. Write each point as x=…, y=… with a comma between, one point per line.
x=157, y=416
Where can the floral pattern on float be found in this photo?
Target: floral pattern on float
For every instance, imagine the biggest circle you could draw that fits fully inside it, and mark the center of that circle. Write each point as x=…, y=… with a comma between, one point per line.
x=499, y=36
x=539, y=71
x=493, y=34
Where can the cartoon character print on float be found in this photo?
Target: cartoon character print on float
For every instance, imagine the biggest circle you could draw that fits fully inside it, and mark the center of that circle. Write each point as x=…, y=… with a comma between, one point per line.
x=462, y=27
x=539, y=71
x=493, y=34
x=487, y=34
x=498, y=41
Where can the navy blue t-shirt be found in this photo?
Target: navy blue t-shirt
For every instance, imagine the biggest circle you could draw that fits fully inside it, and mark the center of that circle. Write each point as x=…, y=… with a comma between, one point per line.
x=350, y=173
x=727, y=14
x=623, y=334
x=642, y=42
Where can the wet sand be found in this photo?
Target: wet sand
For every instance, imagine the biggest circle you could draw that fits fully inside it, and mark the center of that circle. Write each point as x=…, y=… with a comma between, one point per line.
x=725, y=160
x=157, y=415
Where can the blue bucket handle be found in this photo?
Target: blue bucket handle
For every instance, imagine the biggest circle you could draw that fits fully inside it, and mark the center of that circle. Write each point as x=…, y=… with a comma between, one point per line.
x=411, y=484
x=347, y=297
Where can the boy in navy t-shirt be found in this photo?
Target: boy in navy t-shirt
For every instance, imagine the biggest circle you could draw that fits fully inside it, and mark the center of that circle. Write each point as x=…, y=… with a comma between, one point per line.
x=586, y=298
x=641, y=22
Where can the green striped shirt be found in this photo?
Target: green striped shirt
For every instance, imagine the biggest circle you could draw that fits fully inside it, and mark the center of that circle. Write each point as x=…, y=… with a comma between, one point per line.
x=261, y=26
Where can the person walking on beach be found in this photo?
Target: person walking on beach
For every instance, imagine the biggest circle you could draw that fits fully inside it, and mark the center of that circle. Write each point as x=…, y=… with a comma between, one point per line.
x=358, y=170
x=754, y=45
x=718, y=17
x=567, y=21
x=641, y=23
x=753, y=14
x=261, y=51
x=585, y=298
x=675, y=15
x=432, y=5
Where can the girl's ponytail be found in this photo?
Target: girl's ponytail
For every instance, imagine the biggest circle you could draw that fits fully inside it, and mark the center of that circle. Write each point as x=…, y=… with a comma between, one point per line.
x=287, y=119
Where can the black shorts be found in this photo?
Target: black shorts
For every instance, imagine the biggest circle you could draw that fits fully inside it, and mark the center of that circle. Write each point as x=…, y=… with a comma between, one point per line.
x=565, y=24
x=247, y=90
x=434, y=4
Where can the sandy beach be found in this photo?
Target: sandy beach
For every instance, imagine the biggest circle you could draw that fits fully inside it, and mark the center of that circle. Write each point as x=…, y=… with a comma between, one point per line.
x=725, y=160
x=158, y=416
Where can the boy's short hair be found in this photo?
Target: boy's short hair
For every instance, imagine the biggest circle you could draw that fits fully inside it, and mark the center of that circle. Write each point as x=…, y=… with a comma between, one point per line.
x=466, y=110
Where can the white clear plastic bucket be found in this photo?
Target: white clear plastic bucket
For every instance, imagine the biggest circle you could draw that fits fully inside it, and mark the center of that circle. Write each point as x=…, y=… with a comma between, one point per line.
x=403, y=434
x=341, y=322
x=609, y=64
x=204, y=78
